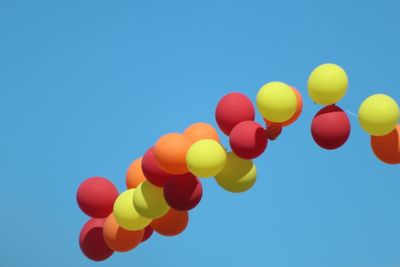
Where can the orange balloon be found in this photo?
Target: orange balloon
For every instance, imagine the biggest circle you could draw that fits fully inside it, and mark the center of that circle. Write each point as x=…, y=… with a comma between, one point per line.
x=170, y=152
x=134, y=175
x=119, y=239
x=387, y=147
x=201, y=130
x=296, y=115
x=172, y=223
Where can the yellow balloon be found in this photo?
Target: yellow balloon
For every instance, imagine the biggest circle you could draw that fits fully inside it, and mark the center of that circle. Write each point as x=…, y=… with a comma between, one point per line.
x=206, y=158
x=378, y=114
x=238, y=175
x=327, y=84
x=149, y=200
x=276, y=102
x=125, y=213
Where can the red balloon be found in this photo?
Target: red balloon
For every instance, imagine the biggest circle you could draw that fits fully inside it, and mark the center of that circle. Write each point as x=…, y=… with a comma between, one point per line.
x=248, y=140
x=273, y=131
x=183, y=192
x=330, y=127
x=152, y=170
x=232, y=109
x=96, y=196
x=148, y=232
x=91, y=241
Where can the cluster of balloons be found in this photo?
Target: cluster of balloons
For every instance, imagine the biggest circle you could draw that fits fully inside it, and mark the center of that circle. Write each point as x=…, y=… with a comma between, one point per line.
x=163, y=185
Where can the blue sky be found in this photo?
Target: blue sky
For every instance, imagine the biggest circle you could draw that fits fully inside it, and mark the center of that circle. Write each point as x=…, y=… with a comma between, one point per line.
x=87, y=86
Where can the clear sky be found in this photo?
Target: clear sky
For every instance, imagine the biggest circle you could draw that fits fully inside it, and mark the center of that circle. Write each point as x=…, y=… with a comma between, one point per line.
x=87, y=86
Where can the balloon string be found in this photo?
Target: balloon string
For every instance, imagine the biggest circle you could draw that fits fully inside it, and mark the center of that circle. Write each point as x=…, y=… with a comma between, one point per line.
x=351, y=113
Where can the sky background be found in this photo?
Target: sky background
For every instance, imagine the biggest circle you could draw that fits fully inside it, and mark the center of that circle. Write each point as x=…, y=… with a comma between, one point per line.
x=87, y=86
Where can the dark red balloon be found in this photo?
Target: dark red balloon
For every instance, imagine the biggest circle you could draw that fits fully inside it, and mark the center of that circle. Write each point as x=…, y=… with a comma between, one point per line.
x=330, y=127
x=152, y=170
x=96, y=196
x=248, y=140
x=148, y=232
x=273, y=131
x=232, y=109
x=183, y=192
x=92, y=242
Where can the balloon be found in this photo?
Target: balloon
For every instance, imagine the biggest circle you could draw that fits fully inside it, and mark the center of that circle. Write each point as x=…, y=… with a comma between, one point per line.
x=152, y=170
x=387, y=147
x=277, y=102
x=232, y=109
x=171, y=224
x=91, y=241
x=248, y=140
x=170, y=151
x=183, y=192
x=327, y=84
x=134, y=175
x=378, y=115
x=149, y=201
x=206, y=158
x=273, y=131
x=330, y=127
x=148, y=232
x=119, y=239
x=238, y=175
x=201, y=130
x=125, y=213
x=96, y=196
x=296, y=115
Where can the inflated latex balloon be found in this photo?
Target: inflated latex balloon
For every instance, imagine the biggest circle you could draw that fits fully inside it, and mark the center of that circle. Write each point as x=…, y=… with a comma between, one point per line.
x=387, y=147
x=91, y=241
x=206, y=158
x=201, y=130
x=183, y=192
x=152, y=171
x=277, y=102
x=327, y=84
x=170, y=151
x=238, y=175
x=232, y=109
x=330, y=127
x=273, y=131
x=96, y=196
x=125, y=213
x=378, y=115
x=171, y=224
x=134, y=175
x=296, y=115
x=248, y=140
x=148, y=232
x=119, y=239
x=149, y=201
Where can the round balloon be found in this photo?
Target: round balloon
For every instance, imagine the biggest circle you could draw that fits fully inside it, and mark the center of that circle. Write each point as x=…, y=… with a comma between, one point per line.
x=206, y=158
x=238, y=175
x=125, y=213
x=91, y=241
x=327, y=84
x=152, y=171
x=277, y=102
x=171, y=224
x=96, y=196
x=201, y=130
x=273, y=131
x=135, y=175
x=330, y=127
x=248, y=139
x=378, y=115
x=149, y=201
x=119, y=239
x=387, y=147
x=183, y=192
x=232, y=109
x=148, y=232
x=170, y=151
